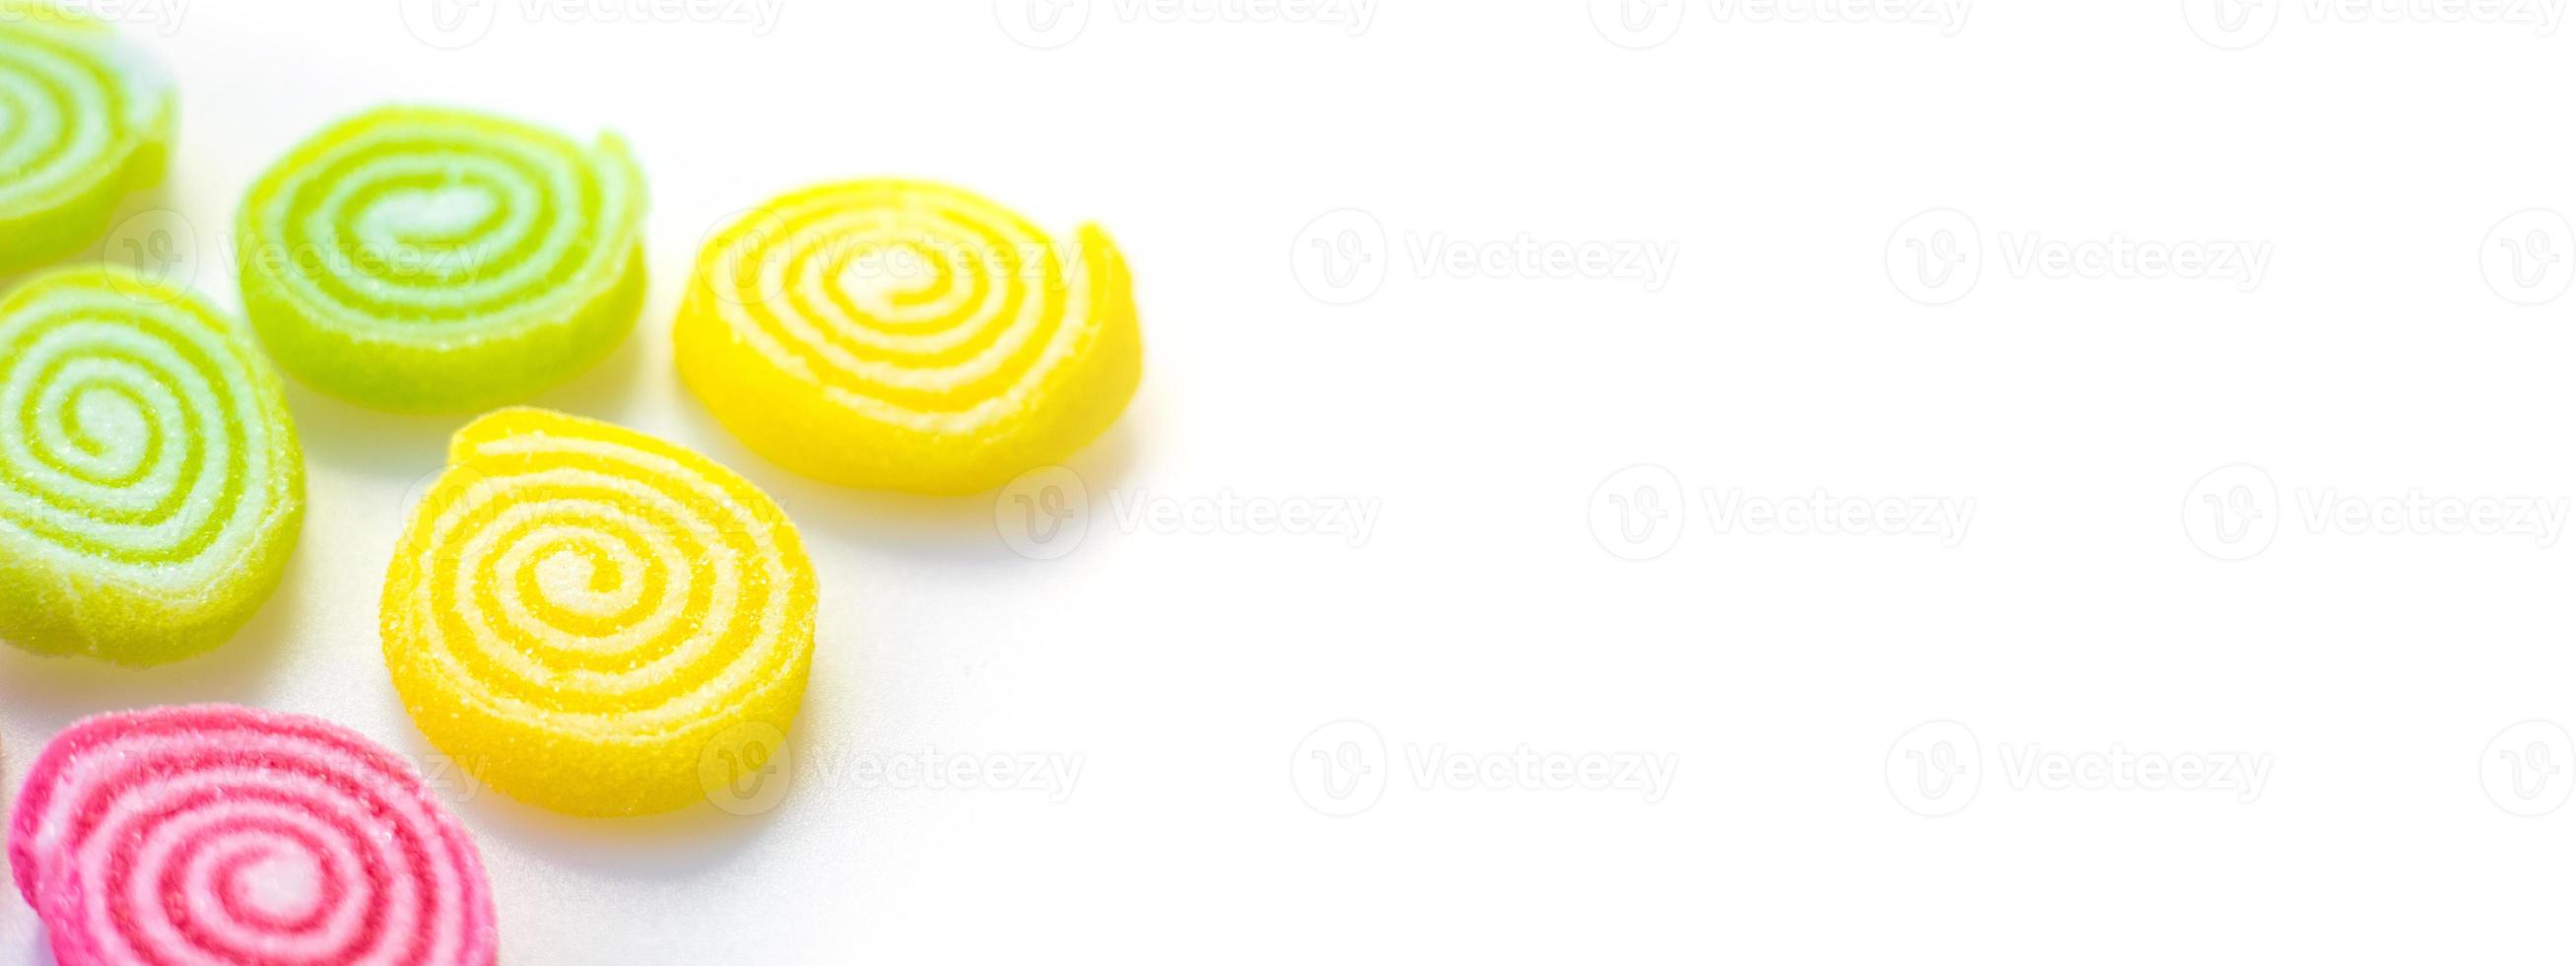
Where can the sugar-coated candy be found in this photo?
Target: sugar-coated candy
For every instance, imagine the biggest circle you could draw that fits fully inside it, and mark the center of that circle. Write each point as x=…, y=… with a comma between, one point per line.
x=217, y=834
x=577, y=613
x=151, y=488
x=907, y=335
x=434, y=259
x=85, y=119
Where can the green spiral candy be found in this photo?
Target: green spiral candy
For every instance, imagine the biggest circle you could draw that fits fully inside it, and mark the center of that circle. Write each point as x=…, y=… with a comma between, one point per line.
x=84, y=121
x=151, y=488
x=439, y=260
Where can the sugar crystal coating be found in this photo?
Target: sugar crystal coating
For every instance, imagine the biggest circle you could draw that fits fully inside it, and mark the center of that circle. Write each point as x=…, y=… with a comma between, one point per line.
x=151, y=487
x=581, y=614
x=908, y=335
x=217, y=834
x=434, y=259
x=85, y=120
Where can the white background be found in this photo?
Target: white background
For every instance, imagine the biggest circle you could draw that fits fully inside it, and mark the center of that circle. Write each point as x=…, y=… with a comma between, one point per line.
x=1486, y=413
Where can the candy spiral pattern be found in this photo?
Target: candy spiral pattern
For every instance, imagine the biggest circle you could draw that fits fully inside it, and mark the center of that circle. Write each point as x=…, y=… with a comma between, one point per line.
x=430, y=259
x=577, y=611
x=84, y=121
x=151, y=488
x=217, y=834
x=908, y=335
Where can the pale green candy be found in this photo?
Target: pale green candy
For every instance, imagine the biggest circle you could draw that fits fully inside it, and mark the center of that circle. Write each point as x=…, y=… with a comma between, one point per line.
x=151, y=488
x=84, y=121
x=432, y=259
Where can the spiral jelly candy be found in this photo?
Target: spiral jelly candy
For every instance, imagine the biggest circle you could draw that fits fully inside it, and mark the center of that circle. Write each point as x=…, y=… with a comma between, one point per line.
x=577, y=612
x=908, y=335
x=216, y=834
x=151, y=488
x=430, y=259
x=84, y=121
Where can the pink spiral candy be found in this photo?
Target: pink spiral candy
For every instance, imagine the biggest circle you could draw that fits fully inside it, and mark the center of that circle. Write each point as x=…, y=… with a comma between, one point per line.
x=215, y=834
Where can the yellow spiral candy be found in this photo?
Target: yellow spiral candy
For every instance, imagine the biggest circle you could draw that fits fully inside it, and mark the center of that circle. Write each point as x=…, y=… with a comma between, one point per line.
x=84, y=121
x=151, y=488
x=429, y=259
x=909, y=336
x=577, y=611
